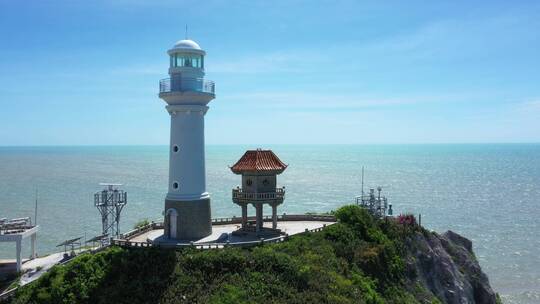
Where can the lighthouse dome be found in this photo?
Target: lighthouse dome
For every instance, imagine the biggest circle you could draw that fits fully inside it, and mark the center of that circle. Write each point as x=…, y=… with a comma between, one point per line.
x=187, y=44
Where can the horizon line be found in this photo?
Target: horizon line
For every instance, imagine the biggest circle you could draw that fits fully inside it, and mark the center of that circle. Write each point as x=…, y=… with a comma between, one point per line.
x=274, y=144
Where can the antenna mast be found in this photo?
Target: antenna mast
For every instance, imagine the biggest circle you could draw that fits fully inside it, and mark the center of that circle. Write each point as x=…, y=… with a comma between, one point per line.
x=110, y=202
x=362, y=181
x=186, y=33
x=35, y=208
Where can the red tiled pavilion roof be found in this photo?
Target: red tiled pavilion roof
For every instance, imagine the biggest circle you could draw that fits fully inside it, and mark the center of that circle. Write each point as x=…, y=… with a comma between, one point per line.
x=258, y=161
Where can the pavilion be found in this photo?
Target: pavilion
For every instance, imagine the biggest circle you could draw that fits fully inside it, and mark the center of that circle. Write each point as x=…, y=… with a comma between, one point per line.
x=259, y=169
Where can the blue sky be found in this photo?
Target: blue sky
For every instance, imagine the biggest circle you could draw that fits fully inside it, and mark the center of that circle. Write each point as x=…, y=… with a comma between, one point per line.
x=87, y=72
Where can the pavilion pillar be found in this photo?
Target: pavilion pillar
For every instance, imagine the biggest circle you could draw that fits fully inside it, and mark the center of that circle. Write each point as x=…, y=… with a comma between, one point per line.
x=258, y=217
x=244, y=216
x=19, y=261
x=274, y=216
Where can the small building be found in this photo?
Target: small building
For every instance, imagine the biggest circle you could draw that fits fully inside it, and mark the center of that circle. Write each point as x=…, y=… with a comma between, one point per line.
x=259, y=169
x=15, y=230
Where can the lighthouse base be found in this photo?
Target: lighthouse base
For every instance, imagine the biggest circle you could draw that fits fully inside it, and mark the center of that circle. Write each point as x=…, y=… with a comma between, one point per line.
x=187, y=220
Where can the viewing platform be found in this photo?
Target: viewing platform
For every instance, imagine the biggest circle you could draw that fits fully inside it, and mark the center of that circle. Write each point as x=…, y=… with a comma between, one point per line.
x=178, y=84
x=152, y=235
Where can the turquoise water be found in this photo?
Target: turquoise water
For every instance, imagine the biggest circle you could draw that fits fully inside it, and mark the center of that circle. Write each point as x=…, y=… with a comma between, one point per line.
x=489, y=193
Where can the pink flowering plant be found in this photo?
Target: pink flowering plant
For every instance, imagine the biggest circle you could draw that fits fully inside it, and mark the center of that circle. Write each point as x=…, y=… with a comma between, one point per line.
x=406, y=220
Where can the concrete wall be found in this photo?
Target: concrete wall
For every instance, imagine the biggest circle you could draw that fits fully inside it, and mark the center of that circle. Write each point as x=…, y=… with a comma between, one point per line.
x=194, y=218
x=259, y=183
x=187, y=177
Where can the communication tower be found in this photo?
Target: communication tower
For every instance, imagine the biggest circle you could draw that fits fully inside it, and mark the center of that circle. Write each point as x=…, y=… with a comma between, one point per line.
x=376, y=204
x=110, y=202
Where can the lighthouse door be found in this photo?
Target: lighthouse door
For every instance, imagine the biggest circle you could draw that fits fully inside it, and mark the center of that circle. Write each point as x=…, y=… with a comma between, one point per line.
x=172, y=223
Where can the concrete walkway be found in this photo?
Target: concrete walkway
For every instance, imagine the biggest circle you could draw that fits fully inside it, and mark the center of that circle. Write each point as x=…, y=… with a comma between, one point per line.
x=45, y=263
x=223, y=233
x=35, y=268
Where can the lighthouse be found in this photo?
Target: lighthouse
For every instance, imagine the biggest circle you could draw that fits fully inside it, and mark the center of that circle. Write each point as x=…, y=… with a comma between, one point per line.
x=187, y=94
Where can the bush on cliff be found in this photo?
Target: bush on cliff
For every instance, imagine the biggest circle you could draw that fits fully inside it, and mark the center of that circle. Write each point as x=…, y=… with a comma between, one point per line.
x=358, y=260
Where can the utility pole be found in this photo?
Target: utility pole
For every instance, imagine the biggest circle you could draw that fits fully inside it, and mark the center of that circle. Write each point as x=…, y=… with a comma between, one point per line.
x=35, y=208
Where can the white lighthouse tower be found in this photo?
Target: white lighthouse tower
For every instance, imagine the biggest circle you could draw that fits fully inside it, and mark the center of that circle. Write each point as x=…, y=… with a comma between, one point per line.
x=187, y=94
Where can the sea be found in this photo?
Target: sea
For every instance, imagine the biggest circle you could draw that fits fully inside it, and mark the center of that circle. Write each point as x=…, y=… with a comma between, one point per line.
x=490, y=193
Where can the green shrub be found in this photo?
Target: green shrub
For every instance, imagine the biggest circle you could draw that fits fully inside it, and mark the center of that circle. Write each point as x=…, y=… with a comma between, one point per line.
x=141, y=223
x=357, y=260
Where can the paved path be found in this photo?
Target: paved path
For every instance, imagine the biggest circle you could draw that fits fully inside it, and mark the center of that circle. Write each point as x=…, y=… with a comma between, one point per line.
x=45, y=263
x=35, y=268
x=222, y=233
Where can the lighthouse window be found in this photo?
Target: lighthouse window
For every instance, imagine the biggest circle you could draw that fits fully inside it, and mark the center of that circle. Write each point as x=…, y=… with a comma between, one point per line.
x=175, y=185
x=175, y=148
x=196, y=62
x=185, y=60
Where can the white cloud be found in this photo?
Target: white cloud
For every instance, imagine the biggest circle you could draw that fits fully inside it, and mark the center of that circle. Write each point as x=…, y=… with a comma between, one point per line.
x=142, y=69
x=529, y=106
x=316, y=101
x=335, y=101
x=278, y=62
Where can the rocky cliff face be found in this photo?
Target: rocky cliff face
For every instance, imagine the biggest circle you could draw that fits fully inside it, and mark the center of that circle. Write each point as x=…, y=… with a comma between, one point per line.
x=446, y=267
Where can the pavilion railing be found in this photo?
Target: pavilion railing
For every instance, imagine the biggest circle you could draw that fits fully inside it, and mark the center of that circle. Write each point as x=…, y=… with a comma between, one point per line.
x=239, y=194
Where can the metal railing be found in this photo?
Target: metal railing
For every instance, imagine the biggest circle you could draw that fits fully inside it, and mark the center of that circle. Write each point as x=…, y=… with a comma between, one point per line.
x=14, y=226
x=179, y=84
x=140, y=230
x=280, y=217
x=221, y=245
x=239, y=194
x=233, y=220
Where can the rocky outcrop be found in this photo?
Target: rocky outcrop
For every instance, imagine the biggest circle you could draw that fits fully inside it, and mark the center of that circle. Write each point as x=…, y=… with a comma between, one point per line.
x=446, y=267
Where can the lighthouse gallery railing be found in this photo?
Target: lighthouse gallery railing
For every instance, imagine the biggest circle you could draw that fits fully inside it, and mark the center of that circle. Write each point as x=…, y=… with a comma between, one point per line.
x=179, y=84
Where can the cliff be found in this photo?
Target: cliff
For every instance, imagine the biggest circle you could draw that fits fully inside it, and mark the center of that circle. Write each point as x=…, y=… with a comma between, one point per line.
x=447, y=267
x=358, y=260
